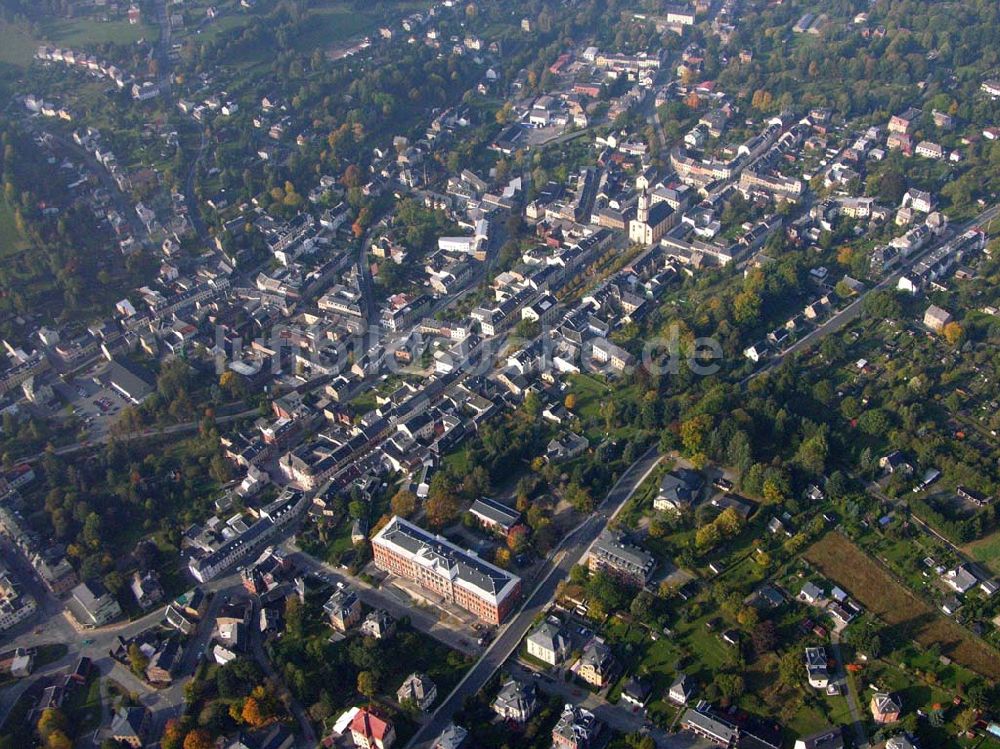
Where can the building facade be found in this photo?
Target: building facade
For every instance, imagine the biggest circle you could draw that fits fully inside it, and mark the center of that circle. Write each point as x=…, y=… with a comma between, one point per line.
x=458, y=576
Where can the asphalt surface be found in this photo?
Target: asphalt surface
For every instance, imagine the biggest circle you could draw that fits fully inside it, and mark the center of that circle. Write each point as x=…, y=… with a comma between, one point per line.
x=572, y=551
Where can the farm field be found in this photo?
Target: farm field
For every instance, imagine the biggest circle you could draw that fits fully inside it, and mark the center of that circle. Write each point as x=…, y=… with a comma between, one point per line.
x=843, y=562
x=987, y=551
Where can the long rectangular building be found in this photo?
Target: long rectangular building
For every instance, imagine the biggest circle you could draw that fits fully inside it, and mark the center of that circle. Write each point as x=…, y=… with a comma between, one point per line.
x=460, y=577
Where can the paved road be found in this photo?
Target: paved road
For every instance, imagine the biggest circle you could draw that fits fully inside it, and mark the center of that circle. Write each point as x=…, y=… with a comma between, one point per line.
x=57, y=628
x=620, y=717
x=422, y=620
x=188, y=426
x=853, y=310
x=852, y=699
x=572, y=550
x=307, y=737
x=120, y=200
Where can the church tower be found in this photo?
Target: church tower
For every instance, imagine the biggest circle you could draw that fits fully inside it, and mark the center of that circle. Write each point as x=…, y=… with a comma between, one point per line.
x=642, y=214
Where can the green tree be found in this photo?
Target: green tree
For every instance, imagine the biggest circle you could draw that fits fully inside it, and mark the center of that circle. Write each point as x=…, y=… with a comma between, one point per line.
x=367, y=684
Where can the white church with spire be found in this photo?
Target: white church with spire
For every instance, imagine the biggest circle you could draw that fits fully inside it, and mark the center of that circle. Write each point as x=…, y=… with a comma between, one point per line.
x=652, y=220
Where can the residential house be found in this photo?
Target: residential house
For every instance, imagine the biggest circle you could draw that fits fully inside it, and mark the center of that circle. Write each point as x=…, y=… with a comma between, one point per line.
x=495, y=516
x=452, y=737
x=516, y=701
x=92, y=605
x=811, y=593
x=613, y=554
x=828, y=738
x=679, y=490
x=577, y=728
x=682, y=689
x=547, y=643
x=147, y=589
x=895, y=461
x=816, y=668
x=370, y=731
x=960, y=579
x=343, y=608
x=885, y=707
x=418, y=689
x=130, y=726
x=164, y=662
x=565, y=447
x=604, y=351
x=597, y=664
x=709, y=726
x=636, y=692
x=936, y=318
x=378, y=624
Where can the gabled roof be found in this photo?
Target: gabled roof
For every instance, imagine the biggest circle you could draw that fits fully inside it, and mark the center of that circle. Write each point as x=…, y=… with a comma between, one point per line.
x=370, y=726
x=495, y=512
x=128, y=722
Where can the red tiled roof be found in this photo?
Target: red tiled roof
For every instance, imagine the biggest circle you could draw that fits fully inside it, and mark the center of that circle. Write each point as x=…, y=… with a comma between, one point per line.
x=369, y=725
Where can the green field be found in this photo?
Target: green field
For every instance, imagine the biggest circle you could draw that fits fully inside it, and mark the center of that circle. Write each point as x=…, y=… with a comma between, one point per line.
x=84, y=31
x=987, y=551
x=11, y=240
x=334, y=24
x=17, y=46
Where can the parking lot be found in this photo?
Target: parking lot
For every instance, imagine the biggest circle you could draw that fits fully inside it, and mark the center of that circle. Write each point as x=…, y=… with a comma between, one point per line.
x=96, y=406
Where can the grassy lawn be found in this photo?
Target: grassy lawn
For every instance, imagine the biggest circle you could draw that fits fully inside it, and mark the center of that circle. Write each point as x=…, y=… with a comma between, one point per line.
x=11, y=240
x=83, y=708
x=641, y=502
x=457, y=462
x=987, y=551
x=913, y=618
x=17, y=46
x=590, y=392
x=83, y=31
x=334, y=23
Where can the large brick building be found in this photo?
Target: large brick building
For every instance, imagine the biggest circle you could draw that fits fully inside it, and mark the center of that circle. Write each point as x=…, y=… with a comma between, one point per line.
x=458, y=576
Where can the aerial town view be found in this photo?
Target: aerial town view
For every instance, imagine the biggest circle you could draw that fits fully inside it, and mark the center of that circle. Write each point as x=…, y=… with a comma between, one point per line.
x=500, y=374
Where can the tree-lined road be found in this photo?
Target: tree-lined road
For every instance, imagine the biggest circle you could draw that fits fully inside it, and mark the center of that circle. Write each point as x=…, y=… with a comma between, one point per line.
x=571, y=552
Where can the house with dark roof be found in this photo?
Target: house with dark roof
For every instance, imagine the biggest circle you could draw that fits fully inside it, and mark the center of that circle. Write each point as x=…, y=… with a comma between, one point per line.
x=164, y=662
x=885, y=707
x=516, y=701
x=495, y=516
x=130, y=380
x=828, y=738
x=343, y=608
x=597, y=664
x=682, y=690
x=577, y=728
x=712, y=727
x=679, y=490
x=636, y=691
x=130, y=726
x=547, y=643
x=418, y=689
x=615, y=555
